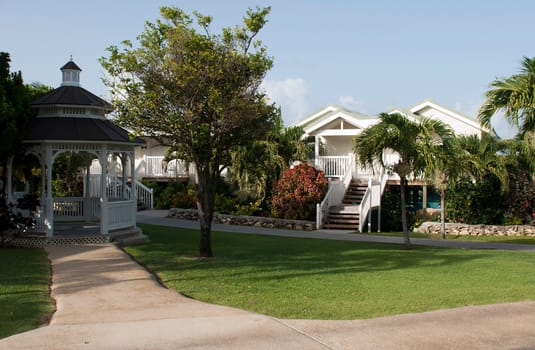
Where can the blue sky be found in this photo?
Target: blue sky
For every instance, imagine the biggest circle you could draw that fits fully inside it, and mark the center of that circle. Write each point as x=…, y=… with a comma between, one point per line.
x=367, y=56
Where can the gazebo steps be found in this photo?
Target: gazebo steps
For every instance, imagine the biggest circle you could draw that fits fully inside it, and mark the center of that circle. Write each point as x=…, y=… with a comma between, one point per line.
x=129, y=236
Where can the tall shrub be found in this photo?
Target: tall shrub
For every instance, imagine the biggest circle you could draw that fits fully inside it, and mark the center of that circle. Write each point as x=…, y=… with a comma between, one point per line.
x=297, y=193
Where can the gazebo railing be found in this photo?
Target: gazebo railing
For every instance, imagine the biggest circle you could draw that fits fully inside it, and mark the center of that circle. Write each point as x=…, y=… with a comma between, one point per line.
x=75, y=208
x=68, y=208
x=120, y=214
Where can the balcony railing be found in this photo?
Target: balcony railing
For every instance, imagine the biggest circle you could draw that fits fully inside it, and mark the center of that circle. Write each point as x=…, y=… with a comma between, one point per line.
x=156, y=166
x=335, y=166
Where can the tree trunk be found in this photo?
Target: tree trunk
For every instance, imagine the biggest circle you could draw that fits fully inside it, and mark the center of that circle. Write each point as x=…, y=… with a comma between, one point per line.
x=404, y=225
x=443, y=214
x=205, y=208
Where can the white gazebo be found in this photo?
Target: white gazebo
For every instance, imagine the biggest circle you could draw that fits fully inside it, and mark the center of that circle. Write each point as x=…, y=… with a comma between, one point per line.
x=72, y=119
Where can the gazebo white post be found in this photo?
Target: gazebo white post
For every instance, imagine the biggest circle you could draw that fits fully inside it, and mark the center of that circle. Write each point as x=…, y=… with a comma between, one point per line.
x=10, y=180
x=103, y=159
x=123, y=157
x=49, y=210
x=87, y=192
x=42, y=200
x=133, y=193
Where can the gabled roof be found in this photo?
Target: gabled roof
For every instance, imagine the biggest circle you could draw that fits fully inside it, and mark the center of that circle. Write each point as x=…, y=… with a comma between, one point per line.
x=418, y=108
x=71, y=95
x=331, y=113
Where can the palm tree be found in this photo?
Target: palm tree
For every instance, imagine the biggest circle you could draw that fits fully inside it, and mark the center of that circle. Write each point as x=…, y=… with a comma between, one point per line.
x=416, y=143
x=444, y=171
x=514, y=96
x=483, y=156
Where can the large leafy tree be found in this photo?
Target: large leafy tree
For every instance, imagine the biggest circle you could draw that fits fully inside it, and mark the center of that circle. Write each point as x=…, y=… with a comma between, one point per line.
x=15, y=113
x=514, y=96
x=415, y=142
x=197, y=89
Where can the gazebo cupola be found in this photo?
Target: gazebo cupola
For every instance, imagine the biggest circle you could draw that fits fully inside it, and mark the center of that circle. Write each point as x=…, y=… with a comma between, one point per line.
x=72, y=119
x=71, y=74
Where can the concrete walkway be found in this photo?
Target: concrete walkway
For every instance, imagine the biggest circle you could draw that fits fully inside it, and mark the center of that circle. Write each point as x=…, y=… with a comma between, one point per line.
x=107, y=301
x=159, y=217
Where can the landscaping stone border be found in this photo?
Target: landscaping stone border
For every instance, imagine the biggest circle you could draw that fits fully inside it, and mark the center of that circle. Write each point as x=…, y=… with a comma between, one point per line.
x=477, y=230
x=255, y=221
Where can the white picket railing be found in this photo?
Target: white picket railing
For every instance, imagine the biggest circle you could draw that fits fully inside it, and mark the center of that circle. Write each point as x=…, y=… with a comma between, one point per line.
x=335, y=166
x=334, y=195
x=120, y=214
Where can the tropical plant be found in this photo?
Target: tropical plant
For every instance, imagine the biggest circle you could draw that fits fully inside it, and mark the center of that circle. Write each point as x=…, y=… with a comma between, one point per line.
x=416, y=143
x=477, y=195
x=298, y=191
x=514, y=96
x=485, y=156
x=520, y=164
x=257, y=168
x=198, y=90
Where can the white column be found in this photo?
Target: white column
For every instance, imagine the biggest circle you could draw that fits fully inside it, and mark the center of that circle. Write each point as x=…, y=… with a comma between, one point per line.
x=133, y=190
x=103, y=159
x=316, y=150
x=124, y=158
x=424, y=196
x=87, y=192
x=49, y=215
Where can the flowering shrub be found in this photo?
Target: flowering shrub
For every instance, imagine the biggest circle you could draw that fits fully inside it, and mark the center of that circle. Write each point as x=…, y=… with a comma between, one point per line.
x=297, y=193
x=185, y=199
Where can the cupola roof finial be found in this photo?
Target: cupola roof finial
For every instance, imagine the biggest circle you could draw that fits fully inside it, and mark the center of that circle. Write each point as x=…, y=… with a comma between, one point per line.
x=70, y=74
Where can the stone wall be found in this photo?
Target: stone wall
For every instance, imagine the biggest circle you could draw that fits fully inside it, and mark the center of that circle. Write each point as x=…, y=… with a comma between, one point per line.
x=476, y=230
x=256, y=221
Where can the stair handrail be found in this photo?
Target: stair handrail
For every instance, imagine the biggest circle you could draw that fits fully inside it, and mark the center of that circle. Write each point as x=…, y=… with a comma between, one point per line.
x=335, y=194
x=145, y=194
x=365, y=205
x=372, y=198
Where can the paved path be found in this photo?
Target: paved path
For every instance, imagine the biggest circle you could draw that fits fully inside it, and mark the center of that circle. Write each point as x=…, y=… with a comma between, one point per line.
x=159, y=217
x=107, y=301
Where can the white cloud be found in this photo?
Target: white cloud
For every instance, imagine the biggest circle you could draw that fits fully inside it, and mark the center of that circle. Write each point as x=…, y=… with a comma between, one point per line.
x=350, y=103
x=291, y=95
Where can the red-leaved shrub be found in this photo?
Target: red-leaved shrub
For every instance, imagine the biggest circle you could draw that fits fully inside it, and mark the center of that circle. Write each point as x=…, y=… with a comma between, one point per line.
x=297, y=193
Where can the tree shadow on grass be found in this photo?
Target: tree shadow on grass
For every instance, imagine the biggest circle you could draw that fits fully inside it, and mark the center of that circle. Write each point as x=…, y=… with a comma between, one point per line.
x=268, y=257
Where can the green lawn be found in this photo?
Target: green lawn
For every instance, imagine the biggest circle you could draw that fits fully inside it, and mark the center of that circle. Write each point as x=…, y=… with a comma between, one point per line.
x=322, y=279
x=25, y=301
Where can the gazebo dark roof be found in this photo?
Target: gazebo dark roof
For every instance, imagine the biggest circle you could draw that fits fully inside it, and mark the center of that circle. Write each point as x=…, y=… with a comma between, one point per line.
x=63, y=127
x=77, y=129
x=71, y=95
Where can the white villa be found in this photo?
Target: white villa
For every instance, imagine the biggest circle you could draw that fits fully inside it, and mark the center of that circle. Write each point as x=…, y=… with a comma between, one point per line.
x=353, y=190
